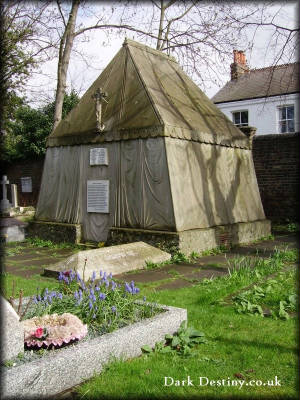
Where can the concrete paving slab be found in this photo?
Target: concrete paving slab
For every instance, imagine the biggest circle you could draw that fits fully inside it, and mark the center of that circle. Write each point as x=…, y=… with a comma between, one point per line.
x=38, y=262
x=27, y=273
x=143, y=276
x=182, y=268
x=21, y=257
x=12, y=268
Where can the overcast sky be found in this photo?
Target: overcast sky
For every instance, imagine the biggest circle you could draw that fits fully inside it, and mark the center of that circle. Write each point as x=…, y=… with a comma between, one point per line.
x=82, y=74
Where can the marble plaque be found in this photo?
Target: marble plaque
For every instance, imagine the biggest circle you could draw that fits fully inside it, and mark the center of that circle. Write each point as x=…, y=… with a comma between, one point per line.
x=26, y=184
x=99, y=156
x=98, y=196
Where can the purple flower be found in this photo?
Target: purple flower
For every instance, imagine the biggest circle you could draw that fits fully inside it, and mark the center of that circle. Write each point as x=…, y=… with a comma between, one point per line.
x=102, y=296
x=97, y=288
x=110, y=276
x=80, y=293
x=78, y=277
x=35, y=300
x=60, y=296
x=60, y=276
x=104, y=275
x=113, y=285
x=114, y=309
x=132, y=284
x=128, y=288
x=92, y=297
x=107, y=284
x=136, y=290
x=76, y=295
x=93, y=276
x=72, y=276
x=92, y=291
x=144, y=298
x=101, y=273
x=90, y=305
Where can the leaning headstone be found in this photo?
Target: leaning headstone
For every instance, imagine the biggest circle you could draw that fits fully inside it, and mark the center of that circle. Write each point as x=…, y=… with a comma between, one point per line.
x=113, y=259
x=12, y=332
x=14, y=195
x=5, y=204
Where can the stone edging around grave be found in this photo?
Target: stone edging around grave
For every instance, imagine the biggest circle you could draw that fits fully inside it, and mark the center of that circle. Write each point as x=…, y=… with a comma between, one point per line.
x=71, y=366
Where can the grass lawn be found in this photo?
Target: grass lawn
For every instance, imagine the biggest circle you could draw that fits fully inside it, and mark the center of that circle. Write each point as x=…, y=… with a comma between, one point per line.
x=240, y=346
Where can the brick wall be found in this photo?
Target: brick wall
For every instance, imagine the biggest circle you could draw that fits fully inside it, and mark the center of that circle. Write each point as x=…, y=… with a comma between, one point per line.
x=276, y=160
x=28, y=168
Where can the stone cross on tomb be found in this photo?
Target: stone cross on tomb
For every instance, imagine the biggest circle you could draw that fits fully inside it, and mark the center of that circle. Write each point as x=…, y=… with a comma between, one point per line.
x=5, y=204
x=99, y=96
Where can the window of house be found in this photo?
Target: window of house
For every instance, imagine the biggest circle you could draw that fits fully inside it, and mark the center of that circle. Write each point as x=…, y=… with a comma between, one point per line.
x=240, y=118
x=286, y=119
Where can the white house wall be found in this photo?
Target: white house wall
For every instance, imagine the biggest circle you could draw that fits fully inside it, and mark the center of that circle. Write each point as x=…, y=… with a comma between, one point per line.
x=263, y=113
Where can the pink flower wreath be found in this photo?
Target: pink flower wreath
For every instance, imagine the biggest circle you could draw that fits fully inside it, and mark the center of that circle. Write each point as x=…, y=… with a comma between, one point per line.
x=53, y=329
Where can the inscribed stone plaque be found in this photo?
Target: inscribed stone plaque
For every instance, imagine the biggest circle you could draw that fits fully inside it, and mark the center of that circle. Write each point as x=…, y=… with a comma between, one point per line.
x=98, y=156
x=98, y=196
x=112, y=259
x=26, y=184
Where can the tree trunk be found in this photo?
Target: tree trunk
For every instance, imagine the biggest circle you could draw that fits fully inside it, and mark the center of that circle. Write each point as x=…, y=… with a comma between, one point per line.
x=161, y=22
x=66, y=44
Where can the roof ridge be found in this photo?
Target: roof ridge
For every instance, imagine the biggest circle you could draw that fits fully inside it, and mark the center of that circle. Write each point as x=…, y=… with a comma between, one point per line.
x=273, y=67
x=139, y=45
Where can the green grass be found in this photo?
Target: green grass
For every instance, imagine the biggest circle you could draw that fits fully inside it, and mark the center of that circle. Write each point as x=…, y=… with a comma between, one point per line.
x=29, y=286
x=37, y=242
x=255, y=347
x=289, y=227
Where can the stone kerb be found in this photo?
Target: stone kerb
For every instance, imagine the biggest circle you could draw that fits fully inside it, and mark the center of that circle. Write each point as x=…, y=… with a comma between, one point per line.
x=12, y=332
x=71, y=366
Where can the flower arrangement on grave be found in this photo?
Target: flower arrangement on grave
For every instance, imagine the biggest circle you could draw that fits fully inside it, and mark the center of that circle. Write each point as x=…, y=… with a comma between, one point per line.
x=53, y=329
x=101, y=303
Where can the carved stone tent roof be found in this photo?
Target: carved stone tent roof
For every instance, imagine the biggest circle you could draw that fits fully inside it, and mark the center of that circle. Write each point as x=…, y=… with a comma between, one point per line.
x=149, y=95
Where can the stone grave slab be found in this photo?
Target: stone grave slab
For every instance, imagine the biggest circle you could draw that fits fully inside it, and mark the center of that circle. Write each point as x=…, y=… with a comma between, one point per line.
x=113, y=259
x=12, y=230
x=12, y=332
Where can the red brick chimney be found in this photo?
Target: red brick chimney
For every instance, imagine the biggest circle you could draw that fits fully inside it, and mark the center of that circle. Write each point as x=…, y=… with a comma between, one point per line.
x=239, y=66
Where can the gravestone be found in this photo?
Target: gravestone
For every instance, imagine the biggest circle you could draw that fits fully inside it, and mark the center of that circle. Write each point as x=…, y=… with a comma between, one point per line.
x=114, y=259
x=12, y=230
x=26, y=184
x=14, y=195
x=5, y=204
x=12, y=332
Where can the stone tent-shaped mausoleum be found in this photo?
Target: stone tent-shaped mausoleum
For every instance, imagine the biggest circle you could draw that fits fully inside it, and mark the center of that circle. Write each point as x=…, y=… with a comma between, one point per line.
x=145, y=155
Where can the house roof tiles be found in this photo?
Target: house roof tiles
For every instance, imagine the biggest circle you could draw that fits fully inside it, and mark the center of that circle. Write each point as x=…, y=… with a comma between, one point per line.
x=263, y=82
